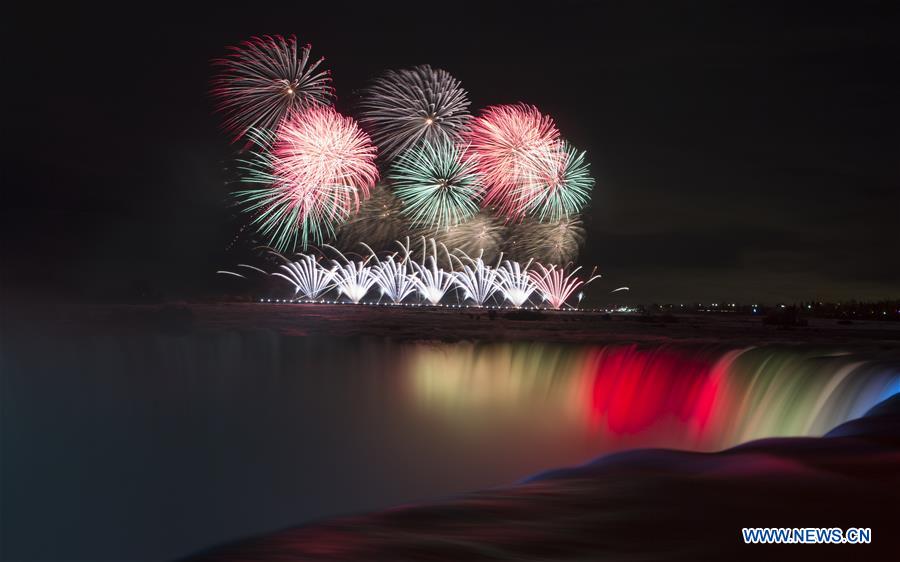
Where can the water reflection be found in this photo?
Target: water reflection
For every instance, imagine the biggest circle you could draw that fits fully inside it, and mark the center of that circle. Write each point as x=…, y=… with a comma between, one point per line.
x=149, y=447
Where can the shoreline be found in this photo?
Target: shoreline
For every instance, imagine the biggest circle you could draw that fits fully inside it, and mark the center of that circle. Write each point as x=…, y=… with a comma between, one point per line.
x=450, y=324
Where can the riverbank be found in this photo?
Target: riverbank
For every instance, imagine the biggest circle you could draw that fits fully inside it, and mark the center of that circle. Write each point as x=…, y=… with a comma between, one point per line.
x=453, y=324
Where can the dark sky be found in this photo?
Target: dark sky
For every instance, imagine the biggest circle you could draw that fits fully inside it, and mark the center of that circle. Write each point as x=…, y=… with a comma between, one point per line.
x=744, y=152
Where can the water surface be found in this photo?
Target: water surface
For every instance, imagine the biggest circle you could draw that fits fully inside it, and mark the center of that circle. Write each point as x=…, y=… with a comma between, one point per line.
x=154, y=446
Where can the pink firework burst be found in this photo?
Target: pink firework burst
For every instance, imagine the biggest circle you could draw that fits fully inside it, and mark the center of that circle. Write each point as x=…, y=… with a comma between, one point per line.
x=509, y=140
x=554, y=286
x=265, y=78
x=320, y=164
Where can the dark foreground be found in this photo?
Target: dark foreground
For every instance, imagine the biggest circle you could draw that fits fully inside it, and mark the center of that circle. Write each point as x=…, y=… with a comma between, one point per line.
x=641, y=505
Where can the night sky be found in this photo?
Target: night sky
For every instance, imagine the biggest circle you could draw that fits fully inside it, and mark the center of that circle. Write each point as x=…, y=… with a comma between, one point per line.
x=748, y=152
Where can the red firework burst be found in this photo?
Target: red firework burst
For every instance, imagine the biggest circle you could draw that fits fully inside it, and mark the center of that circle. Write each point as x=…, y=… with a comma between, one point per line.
x=510, y=140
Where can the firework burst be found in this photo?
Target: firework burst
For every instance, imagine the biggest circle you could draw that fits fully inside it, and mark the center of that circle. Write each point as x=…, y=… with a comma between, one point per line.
x=437, y=183
x=352, y=279
x=311, y=177
x=432, y=282
x=378, y=222
x=478, y=280
x=515, y=282
x=548, y=243
x=555, y=185
x=308, y=276
x=510, y=140
x=555, y=286
x=265, y=78
x=482, y=234
x=403, y=107
x=392, y=276
x=399, y=277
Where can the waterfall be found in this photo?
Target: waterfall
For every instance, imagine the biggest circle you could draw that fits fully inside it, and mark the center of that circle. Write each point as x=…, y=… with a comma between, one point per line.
x=696, y=397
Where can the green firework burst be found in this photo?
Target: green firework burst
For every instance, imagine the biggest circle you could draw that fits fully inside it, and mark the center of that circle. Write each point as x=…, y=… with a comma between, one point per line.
x=558, y=184
x=437, y=183
x=277, y=217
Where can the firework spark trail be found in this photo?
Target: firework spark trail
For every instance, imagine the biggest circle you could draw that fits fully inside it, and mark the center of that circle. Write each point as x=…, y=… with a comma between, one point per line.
x=353, y=279
x=392, y=276
x=477, y=280
x=555, y=286
x=432, y=282
x=438, y=183
x=309, y=277
x=515, y=283
x=402, y=107
x=555, y=185
x=263, y=79
x=509, y=140
x=399, y=276
x=310, y=178
x=224, y=272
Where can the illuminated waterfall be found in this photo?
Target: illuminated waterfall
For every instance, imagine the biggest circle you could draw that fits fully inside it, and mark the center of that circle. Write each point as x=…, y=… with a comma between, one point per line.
x=694, y=397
